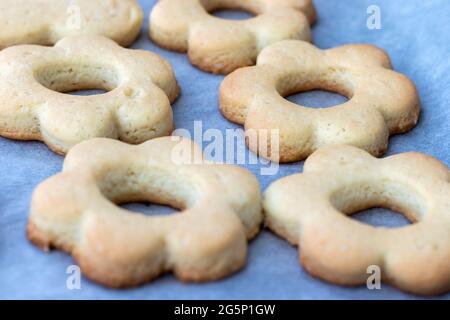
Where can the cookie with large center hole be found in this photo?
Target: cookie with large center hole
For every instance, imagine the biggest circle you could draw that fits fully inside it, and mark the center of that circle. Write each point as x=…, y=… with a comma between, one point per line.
x=381, y=102
x=220, y=46
x=310, y=210
x=33, y=105
x=75, y=211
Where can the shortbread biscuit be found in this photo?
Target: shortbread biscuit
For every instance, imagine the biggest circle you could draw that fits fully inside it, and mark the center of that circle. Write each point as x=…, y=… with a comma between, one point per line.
x=46, y=22
x=220, y=46
x=137, y=107
x=382, y=102
x=309, y=210
x=74, y=211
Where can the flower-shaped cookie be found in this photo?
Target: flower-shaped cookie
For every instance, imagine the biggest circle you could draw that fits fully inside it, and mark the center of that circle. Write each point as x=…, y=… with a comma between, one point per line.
x=32, y=106
x=310, y=210
x=220, y=46
x=48, y=21
x=382, y=102
x=75, y=211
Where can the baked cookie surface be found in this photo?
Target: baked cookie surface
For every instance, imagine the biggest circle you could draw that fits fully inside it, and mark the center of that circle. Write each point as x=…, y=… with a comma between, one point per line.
x=309, y=210
x=141, y=86
x=75, y=211
x=381, y=102
x=46, y=22
x=220, y=46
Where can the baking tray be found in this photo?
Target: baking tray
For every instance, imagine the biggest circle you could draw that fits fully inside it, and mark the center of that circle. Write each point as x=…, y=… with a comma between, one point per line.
x=416, y=35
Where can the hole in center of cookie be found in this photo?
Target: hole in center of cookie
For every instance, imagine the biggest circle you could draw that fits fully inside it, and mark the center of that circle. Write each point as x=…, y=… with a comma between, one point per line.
x=317, y=99
x=380, y=217
x=82, y=80
x=149, y=209
x=87, y=92
x=380, y=203
x=148, y=190
x=232, y=14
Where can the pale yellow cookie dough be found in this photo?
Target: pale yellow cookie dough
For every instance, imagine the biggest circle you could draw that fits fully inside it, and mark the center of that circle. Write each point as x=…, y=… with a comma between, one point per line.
x=381, y=102
x=309, y=210
x=75, y=211
x=137, y=107
x=220, y=46
x=48, y=21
